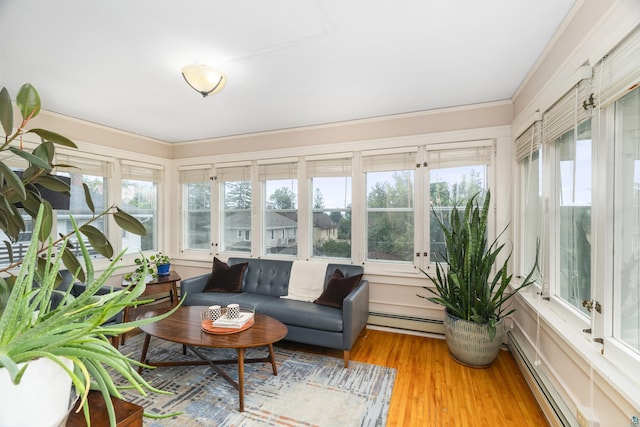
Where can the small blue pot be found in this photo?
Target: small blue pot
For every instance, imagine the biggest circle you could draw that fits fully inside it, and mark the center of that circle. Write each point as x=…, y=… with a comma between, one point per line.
x=163, y=269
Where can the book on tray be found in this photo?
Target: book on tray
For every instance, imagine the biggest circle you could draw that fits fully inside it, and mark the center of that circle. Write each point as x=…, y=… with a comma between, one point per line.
x=224, y=322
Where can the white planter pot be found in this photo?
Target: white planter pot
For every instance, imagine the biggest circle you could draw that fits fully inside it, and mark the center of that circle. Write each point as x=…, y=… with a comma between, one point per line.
x=42, y=398
x=469, y=342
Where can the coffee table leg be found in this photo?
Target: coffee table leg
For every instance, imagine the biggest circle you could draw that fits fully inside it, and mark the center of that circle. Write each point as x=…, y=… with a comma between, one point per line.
x=272, y=357
x=241, y=377
x=145, y=347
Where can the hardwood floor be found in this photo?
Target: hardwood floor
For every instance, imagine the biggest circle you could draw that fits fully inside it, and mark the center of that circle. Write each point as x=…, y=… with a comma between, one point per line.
x=431, y=389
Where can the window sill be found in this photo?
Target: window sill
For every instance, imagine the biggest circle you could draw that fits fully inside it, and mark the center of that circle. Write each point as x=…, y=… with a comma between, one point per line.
x=568, y=333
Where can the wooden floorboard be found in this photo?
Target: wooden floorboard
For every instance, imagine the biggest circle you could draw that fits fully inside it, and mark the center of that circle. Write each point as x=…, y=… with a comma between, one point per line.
x=431, y=389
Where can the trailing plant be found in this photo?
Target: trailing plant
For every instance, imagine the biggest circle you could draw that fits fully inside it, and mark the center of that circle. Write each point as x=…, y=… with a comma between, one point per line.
x=30, y=327
x=160, y=259
x=464, y=282
x=144, y=266
x=22, y=190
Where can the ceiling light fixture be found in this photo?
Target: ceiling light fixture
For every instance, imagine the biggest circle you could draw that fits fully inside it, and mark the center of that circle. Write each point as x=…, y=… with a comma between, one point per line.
x=204, y=79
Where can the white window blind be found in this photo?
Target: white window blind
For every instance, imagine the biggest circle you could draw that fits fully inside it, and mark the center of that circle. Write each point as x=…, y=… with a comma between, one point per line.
x=455, y=157
x=529, y=141
x=234, y=173
x=139, y=172
x=83, y=165
x=566, y=112
x=194, y=174
x=274, y=171
x=329, y=167
x=388, y=162
x=619, y=71
x=14, y=162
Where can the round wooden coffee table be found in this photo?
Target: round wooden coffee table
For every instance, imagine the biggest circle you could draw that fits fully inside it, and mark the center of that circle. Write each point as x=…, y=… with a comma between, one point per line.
x=183, y=327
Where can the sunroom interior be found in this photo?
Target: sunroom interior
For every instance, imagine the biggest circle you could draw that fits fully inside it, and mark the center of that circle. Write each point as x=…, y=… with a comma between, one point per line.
x=561, y=156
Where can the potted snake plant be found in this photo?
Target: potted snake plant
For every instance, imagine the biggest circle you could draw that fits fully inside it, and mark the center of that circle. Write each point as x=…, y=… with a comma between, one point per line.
x=472, y=285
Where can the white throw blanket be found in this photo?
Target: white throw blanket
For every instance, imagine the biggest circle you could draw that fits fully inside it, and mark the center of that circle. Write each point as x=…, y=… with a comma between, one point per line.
x=306, y=282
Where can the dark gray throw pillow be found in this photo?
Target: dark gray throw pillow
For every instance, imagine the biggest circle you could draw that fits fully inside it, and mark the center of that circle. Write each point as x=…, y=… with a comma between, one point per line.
x=225, y=278
x=337, y=288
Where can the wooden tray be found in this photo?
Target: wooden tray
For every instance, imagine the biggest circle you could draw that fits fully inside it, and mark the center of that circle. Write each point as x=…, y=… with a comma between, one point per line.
x=210, y=329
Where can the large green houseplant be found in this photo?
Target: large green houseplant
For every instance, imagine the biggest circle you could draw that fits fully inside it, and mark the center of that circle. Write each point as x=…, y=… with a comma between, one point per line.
x=470, y=282
x=32, y=328
x=21, y=192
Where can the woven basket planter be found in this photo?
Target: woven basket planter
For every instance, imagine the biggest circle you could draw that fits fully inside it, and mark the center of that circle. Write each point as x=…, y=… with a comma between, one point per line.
x=469, y=342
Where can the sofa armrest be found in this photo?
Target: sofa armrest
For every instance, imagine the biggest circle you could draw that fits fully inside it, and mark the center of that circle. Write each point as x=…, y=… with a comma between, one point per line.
x=355, y=313
x=193, y=285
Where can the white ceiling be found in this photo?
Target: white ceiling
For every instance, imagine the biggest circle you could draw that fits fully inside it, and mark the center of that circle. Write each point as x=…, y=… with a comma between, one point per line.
x=289, y=63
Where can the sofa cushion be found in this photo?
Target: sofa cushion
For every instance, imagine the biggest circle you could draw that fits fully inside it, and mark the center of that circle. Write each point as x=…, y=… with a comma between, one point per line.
x=225, y=278
x=303, y=314
x=264, y=276
x=337, y=288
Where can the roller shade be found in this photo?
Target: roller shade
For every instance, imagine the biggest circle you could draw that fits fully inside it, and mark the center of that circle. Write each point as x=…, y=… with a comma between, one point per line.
x=388, y=162
x=619, y=71
x=235, y=173
x=140, y=172
x=454, y=157
x=566, y=112
x=83, y=165
x=329, y=167
x=194, y=174
x=277, y=171
x=529, y=141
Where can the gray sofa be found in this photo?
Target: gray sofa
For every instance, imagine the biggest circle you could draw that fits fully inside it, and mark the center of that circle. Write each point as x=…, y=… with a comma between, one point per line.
x=264, y=282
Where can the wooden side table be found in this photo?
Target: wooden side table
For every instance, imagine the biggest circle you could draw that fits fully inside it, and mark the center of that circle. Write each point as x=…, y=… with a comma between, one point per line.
x=127, y=414
x=161, y=285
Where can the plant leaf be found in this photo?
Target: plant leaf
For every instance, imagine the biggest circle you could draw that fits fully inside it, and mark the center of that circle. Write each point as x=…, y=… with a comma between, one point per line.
x=73, y=265
x=47, y=221
x=98, y=240
x=35, y=160
x=28, y=101
x=13, y=181
x=45, y=151
x=32, y=202
x=129, y=223
x=7, y=246
x=52, y=183
x=6, y=111
x=88, y=200
x=48, y=135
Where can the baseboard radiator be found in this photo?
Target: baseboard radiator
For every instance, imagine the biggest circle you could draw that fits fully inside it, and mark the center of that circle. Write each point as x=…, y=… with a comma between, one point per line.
x=552, y=405
x=407, y=323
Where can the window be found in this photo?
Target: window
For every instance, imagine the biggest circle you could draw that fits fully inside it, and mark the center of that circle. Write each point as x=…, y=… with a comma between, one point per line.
x=140, y=199
x=196, y=202
x=528, y=154
x=280, y=208
x=95, y=174
x=573, y=216
x=626, y=292
x=330, y=207
x=585, y=179
x=567, y=131
x=389, y=180
x=235, y=186
x=455, y=175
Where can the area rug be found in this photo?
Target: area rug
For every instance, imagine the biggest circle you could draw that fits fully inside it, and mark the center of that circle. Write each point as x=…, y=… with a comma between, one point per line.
x=309, y=390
